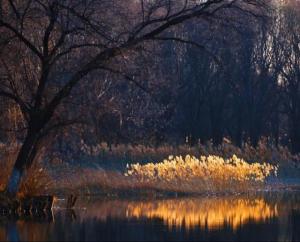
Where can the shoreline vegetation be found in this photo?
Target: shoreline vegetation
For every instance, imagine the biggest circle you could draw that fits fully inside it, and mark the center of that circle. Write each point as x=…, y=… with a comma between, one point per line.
x=202, y=169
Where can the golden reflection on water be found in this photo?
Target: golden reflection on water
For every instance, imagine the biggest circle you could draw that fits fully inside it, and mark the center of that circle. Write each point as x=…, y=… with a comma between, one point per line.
x=95, y=217
x=190, y=212
x=210, y=213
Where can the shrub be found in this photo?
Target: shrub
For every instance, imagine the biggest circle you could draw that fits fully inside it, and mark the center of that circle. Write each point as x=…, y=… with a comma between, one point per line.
x=209, y=173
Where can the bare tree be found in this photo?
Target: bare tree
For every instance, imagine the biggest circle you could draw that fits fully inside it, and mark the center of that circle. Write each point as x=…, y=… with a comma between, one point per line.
x=289, y=39
x=49, y=46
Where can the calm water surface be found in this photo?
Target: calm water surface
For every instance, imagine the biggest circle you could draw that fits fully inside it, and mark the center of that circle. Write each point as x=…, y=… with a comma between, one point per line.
x=263, y=217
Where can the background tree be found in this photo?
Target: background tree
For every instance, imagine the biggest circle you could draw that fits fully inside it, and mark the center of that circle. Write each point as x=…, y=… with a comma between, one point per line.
x=51, y=47
x=288, y=25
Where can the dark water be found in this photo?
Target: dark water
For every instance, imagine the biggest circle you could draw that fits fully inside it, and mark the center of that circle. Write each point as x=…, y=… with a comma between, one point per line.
x=263, y=217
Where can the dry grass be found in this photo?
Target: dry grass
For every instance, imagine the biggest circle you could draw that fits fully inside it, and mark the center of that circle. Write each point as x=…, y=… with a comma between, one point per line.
x=207, y=174
x=83, y=180
x=35, y=182
x=143, y=154
x=38, y=179
x=57, y=177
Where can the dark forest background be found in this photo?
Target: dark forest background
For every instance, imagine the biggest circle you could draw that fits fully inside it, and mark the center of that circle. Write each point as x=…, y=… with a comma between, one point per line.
x=238, y=78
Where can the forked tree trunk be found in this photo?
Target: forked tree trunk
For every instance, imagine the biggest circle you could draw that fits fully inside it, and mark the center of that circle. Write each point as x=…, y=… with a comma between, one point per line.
x=24, y=160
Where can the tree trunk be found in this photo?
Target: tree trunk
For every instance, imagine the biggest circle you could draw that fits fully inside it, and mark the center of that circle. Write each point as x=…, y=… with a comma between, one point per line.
x=24, y=160
x=295, y=137
x=216, y=121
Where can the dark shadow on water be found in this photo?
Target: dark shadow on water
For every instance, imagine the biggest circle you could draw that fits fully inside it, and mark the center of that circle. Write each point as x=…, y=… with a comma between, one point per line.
x=295, y=217
x=264, y=217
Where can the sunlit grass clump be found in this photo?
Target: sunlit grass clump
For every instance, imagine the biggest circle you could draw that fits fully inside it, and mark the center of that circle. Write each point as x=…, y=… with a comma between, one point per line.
x=209, y=173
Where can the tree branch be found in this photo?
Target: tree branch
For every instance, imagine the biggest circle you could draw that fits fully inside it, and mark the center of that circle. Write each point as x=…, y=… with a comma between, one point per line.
x=22, y=38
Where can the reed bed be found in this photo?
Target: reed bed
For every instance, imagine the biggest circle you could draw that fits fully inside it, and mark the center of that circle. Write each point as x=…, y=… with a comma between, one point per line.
x=201, y=168
x=265, y=151
x=206, y=174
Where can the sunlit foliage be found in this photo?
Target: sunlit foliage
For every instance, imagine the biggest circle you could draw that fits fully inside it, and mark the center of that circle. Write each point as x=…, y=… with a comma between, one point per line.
x=206, y=173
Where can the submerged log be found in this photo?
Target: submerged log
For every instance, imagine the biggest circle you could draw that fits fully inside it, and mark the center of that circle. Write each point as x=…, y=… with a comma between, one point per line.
x=8, y=205
x=39, y=203
x=25, y=206
x=71, y=200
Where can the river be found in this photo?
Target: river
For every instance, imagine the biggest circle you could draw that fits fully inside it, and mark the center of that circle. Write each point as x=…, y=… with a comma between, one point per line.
x=269, y=216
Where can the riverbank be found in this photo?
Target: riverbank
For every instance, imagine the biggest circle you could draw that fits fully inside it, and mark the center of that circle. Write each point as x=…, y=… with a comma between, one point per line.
x=102, y=172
